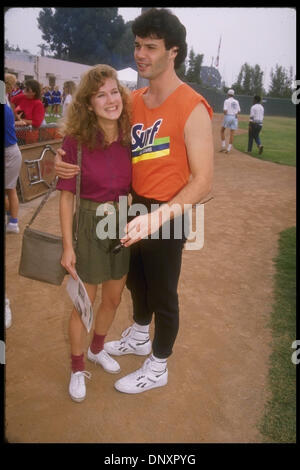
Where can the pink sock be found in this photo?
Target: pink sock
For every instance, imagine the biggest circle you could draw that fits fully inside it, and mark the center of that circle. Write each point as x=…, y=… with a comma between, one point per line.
x=77, y=363
x=97, y=343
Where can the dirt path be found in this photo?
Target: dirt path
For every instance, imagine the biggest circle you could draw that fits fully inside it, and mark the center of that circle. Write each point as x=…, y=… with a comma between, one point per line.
x=218, y=372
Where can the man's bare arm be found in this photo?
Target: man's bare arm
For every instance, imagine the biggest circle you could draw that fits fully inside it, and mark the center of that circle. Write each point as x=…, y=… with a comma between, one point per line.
x=200, y=151
x=62, y=169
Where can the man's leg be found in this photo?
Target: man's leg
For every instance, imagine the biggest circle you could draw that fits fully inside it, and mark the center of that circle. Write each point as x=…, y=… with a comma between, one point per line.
x=162, y=262
x=223, y=142
x=257, y=138
x=135, y=339
x=250, y=137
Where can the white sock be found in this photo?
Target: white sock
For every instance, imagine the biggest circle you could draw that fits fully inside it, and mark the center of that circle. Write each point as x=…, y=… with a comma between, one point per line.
x=142, y=328
x=223, y=143
x=229, y=147
x=159, y=363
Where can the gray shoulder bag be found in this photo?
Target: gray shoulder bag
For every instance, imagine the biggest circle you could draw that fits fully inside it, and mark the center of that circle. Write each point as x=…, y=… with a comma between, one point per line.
x=41, y=252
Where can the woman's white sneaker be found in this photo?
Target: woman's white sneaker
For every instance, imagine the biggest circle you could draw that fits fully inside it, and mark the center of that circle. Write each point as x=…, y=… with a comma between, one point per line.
x=104, y=359
x=132, y=341
x=150, y=375
x=8, y=314
x=77, y=387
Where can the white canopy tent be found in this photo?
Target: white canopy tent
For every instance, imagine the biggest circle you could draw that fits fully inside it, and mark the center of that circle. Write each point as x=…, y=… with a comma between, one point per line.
x=128, y=76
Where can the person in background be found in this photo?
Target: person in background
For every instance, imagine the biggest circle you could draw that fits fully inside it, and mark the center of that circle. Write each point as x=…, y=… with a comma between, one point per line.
x=255, y=124
x=17, y=90
x=56, y=98
x=13, y=162
x=98, y=118
x=10, y=84
x=231, y=110
x=44, y=99
x=47, y=99
x=69, y=89
x=28, y=107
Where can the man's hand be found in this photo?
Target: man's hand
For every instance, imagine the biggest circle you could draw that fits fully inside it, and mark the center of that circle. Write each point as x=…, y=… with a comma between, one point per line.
x=64, y=170
x=144, y=225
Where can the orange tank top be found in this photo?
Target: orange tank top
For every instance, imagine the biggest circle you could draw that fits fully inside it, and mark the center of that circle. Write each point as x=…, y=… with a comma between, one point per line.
x=160, y=167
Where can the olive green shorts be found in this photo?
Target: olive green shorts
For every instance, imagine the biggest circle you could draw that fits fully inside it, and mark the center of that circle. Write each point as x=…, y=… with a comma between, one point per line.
x=95, y=262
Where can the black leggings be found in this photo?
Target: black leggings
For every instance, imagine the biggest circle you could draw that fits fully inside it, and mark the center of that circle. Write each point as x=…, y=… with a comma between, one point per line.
x=153, y=279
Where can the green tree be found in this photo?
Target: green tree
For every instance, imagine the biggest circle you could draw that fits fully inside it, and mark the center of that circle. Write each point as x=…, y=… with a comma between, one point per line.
x=122, y=54
x=238, y=84
x=181, y=72
x=10, y=47
x=194, y=67
x=249, y=81
x=281, y=82
x=84, y=35
x=257, y=81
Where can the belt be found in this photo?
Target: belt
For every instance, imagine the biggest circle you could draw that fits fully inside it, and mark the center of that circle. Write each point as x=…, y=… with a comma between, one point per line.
x=93, y=205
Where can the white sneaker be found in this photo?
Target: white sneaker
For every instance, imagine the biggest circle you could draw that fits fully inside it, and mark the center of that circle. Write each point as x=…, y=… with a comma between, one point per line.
x=77, y=388
x=8, y=315
x=147, y=377
x=12, y=228
x=104, y=359
x=132, y=342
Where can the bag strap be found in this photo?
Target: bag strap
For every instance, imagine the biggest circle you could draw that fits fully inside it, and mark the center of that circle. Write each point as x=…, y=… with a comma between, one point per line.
x=78, y=182
x=53, y=186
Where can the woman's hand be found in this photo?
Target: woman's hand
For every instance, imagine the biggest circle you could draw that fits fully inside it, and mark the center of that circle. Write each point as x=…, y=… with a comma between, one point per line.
x=20, y=123
x=64, y=170
x=68, y=261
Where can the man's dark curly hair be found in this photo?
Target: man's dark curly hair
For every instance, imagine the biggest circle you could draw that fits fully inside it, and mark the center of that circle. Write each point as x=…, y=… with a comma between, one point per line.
x=162, y=24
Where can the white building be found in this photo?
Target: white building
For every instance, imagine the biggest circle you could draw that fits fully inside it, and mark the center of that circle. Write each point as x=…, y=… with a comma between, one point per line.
x=52, y=72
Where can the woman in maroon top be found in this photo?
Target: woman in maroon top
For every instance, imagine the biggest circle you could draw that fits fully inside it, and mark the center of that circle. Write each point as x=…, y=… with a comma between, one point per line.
x=28, y=107
x=99, y=120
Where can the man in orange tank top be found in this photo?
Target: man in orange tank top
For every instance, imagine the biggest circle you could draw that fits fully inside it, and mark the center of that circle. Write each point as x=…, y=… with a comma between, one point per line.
x=171, y=140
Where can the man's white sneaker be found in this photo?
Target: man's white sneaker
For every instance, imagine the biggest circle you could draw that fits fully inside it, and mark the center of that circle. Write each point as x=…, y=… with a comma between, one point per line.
x=104, y=359
x=132, y=341
x=8, y=315
x=12, y=228
x=147, y=377
x=77, y=388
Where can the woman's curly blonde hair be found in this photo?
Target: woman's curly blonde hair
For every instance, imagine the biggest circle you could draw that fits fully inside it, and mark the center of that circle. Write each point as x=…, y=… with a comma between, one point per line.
x=81, y=123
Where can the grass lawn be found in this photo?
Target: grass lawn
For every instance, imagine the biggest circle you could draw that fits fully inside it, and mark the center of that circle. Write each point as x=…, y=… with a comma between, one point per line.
x=278, y=136
x=279, y=421
x=52, y=118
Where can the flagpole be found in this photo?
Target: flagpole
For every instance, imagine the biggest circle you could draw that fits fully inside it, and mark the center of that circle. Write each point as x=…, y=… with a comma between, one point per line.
x=218, y=54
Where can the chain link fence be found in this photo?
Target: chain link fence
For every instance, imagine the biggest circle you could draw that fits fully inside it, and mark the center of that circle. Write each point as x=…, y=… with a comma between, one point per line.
x=273, y=106
x=31, y=135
